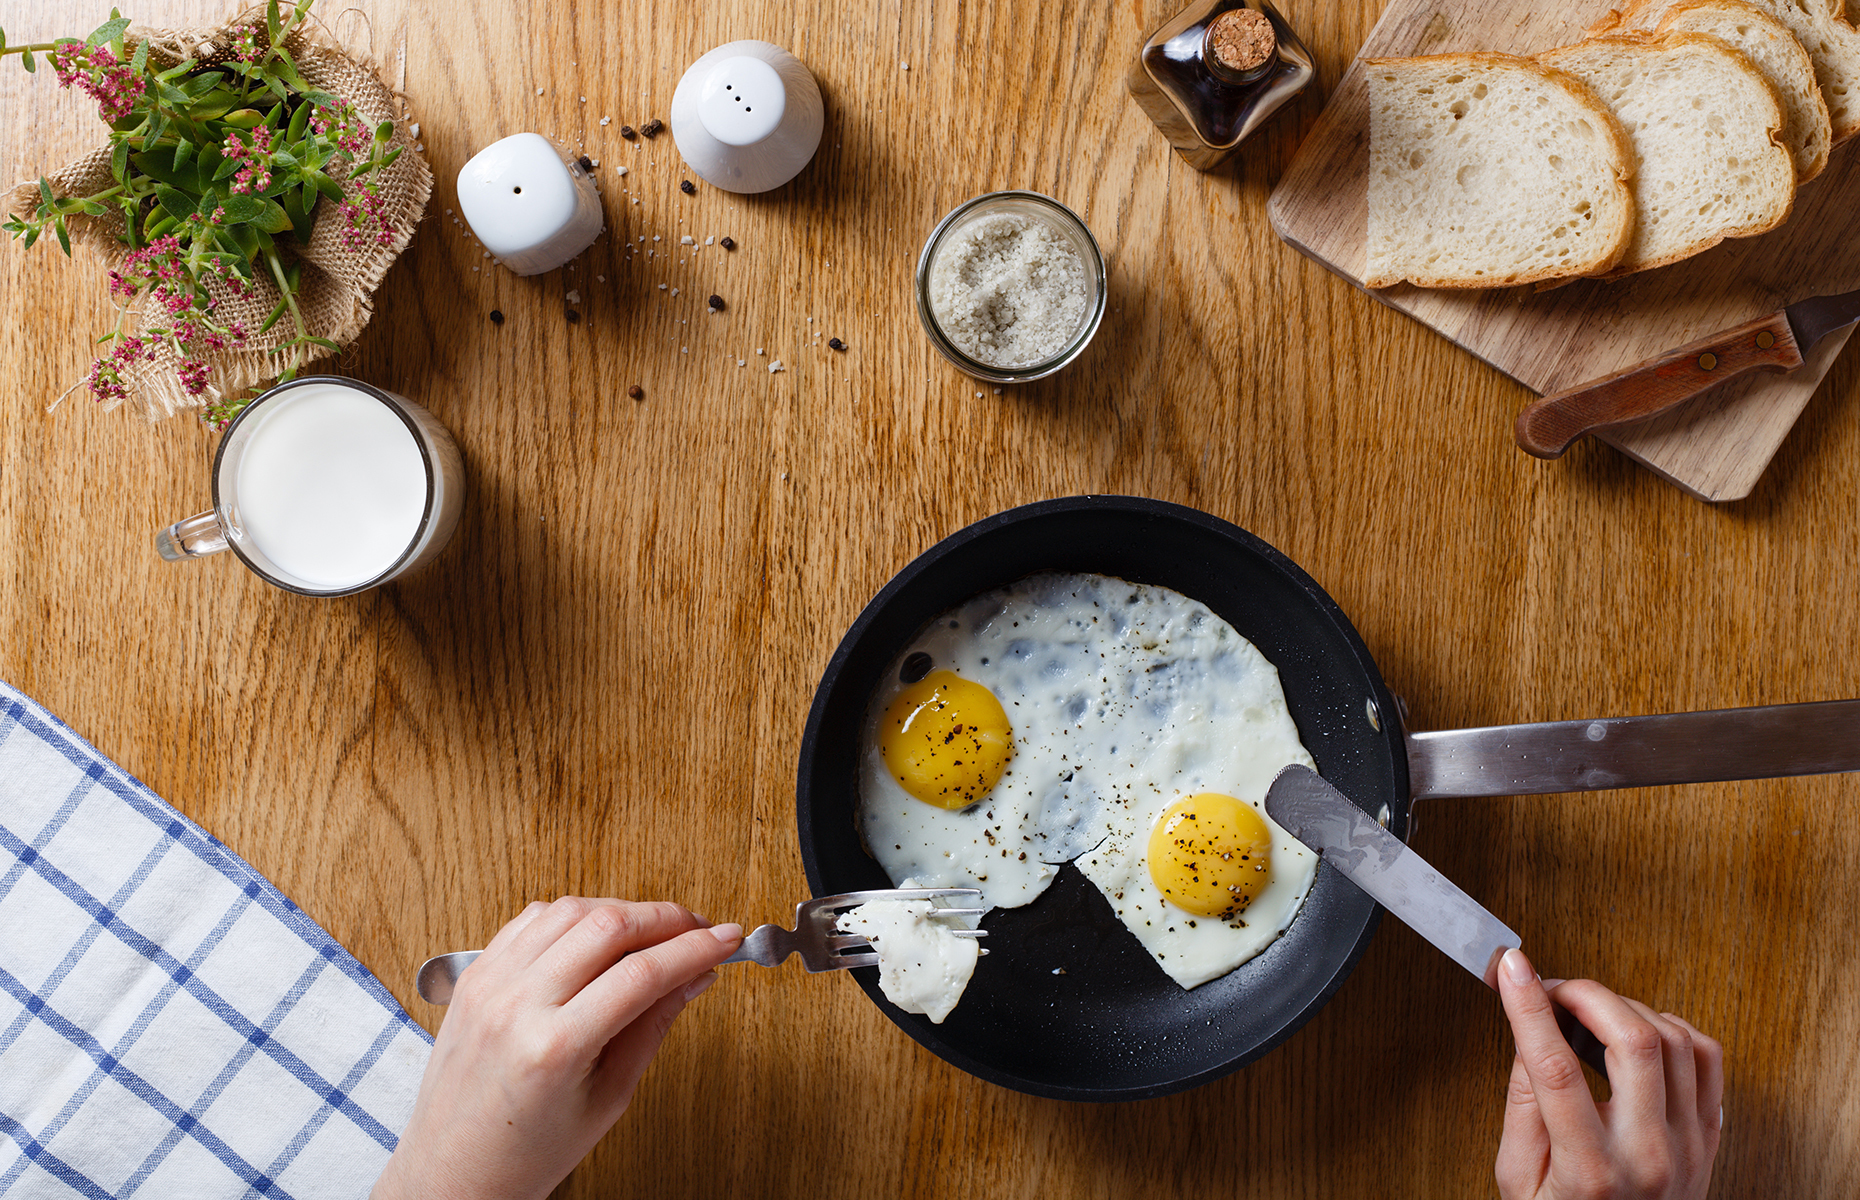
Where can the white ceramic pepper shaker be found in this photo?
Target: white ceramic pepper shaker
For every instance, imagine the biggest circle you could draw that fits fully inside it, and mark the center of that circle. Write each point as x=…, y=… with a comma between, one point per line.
x=747, y=116
x=529, y=203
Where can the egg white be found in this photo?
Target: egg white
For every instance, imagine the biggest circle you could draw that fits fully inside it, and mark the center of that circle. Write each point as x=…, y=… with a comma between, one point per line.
x=1123, y=698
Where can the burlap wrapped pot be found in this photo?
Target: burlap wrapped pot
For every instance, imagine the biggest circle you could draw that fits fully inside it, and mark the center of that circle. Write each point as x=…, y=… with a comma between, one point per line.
x=337, y=282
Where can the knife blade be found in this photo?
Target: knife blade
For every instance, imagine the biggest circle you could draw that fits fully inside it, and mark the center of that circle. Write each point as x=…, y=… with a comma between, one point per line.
x=1398, y=879
x=1779, y=341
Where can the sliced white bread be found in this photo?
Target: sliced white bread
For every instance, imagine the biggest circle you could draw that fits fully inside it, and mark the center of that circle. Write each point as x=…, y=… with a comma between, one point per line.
x=1767, y=42
x=1820, y=25
x=1487, y=170
x=1706, y=128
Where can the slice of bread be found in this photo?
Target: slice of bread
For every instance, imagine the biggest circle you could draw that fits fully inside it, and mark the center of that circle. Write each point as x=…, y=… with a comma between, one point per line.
x=1706, y=129
x=1767, y=42
x=1487, y=170
x=1821, y=26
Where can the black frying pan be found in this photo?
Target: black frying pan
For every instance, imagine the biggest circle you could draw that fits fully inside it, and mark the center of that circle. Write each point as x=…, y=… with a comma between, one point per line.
x=1112, y=1026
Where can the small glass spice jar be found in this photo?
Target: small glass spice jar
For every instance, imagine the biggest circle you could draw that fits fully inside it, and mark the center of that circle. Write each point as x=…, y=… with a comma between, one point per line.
x=1006, y=271
x=1214, y=72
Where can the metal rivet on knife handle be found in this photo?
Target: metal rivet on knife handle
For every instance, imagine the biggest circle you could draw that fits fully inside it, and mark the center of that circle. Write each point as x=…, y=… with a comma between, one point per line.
x=1765, y=340
x=1708, y=362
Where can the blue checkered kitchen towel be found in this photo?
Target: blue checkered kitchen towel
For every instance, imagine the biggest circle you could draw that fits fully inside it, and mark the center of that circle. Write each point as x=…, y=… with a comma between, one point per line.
x=170, y=1024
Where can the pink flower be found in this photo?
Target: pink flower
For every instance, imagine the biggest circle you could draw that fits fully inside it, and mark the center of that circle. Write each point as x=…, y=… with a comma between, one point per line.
x=193, y=375
x=113, y=84
x=365, y=219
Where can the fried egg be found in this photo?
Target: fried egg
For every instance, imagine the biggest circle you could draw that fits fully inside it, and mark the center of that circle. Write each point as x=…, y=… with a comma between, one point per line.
x=1082, y=718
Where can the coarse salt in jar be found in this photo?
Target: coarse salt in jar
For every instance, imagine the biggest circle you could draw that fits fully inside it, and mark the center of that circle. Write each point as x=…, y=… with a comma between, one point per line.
x=1010, y=286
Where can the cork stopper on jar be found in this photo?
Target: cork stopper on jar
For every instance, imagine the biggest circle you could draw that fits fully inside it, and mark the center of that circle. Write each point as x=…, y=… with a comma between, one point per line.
x=1240, y=41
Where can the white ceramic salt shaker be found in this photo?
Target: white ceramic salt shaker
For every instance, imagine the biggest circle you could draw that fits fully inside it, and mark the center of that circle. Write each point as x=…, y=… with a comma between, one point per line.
x=531, y=205
x=747, y=116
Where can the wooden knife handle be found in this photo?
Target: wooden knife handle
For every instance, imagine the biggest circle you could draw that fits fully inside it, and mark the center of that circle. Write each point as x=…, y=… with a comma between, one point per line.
x=1547, y=427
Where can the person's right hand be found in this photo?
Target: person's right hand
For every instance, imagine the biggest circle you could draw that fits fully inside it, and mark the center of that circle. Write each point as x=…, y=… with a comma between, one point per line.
x=1654, y=1139
x=548, y=1034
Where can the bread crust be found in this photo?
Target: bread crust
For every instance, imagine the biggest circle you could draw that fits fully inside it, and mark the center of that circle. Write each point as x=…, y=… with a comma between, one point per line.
x=1765, y=18
x=1639, y=40
x=1585, y=97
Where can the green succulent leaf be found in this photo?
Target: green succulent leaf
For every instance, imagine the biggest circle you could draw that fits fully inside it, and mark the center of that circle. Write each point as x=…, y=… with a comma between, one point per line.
x=384, y=131
x=91, y=208
x=119, y=161
x=299, y=120
x=160, y=167
x=309, y=199
x=241, y=208
x=32, y=235
x=45, y=189
x=178, y=203
x=271, y=21
x=64, y=239
x=329, y=187
x=25, y=60
x=244, y=118
x=285, y=159
x=139, y=62
x=274, y=219
x=177, y=70
x=183, y=155
x=109, y=31
x=273, y=318
x=226, y=167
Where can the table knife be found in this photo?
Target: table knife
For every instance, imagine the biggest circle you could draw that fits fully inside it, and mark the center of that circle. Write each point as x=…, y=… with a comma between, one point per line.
x=1401, y=881
x=1777, y=342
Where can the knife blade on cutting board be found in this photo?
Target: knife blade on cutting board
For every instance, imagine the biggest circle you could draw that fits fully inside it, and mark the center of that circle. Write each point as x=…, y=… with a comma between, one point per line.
x=1776, y=342
x=1400, y=880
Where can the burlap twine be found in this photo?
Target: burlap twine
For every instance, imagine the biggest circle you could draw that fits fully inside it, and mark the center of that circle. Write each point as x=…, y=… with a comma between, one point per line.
x=337, y=282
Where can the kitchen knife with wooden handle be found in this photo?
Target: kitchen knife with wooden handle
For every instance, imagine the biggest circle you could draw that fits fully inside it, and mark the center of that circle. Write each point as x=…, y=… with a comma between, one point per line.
x=1777, y=342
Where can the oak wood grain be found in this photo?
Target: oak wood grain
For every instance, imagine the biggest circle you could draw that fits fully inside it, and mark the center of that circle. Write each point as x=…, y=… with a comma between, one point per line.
x=601, y=687
x=1556, y=339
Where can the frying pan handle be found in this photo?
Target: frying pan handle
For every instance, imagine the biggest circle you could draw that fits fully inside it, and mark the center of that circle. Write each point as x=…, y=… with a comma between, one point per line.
x=1621, y=752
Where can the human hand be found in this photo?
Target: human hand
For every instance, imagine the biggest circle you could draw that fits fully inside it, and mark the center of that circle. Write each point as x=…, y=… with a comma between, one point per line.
x=1653, y=1140
x=548, y=1034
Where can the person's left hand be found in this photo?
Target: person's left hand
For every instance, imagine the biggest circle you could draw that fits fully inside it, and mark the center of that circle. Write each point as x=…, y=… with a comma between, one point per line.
x=548, y=1035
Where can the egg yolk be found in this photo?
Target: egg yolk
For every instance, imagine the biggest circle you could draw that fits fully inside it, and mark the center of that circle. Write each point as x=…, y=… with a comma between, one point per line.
x=1211, y=855
x=946, y=740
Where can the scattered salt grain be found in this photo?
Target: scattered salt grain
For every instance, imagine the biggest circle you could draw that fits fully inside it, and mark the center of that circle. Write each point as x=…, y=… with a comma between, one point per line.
x=606, y=120
x=774, y=366
x=600, y=279
x=674, y=291
x=655, y=237
x=1008, y=290
x=758, y=349
x=686, y=350
x=661, y=287
x=623, y=171
x=574, y=296
x=709, y=240
x=997, y=391
x=539, y=91
x=688, y=240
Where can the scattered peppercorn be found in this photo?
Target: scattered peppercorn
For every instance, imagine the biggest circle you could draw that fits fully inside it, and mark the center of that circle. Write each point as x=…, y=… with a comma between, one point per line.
x=651, y=128
x=637, y=392
x=728, y=243
x=497, y=317
x=716, y=303
x=628, y=132
x=587, y=164
x=687, y=187
x=835, y=344
x=573, y=316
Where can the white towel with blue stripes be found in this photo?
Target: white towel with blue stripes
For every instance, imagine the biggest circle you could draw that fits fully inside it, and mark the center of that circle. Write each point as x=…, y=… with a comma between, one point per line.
x=170, y=1024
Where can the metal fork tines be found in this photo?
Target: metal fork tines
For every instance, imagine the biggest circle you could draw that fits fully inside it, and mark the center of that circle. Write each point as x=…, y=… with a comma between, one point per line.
x=816, y=937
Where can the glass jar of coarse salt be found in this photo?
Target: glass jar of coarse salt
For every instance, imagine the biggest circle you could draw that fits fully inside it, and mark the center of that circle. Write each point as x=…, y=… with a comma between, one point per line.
x=1010, y=286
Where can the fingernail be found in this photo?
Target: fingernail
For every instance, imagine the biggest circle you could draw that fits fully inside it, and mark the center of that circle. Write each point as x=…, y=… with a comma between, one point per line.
x=1518, y=968
x=1721, y=1118
x=699, y=917
x=698, y=986
x=1550, y=983
x=729, y=934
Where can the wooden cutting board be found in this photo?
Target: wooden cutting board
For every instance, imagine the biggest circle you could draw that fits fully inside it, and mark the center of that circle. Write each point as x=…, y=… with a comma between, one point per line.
x=1715, y=446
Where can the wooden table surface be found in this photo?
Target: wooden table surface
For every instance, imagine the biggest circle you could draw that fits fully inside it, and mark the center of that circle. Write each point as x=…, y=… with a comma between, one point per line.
x=600, y=689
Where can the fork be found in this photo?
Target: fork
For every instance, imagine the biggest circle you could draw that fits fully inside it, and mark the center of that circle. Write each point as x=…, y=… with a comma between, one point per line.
x=815, y=938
